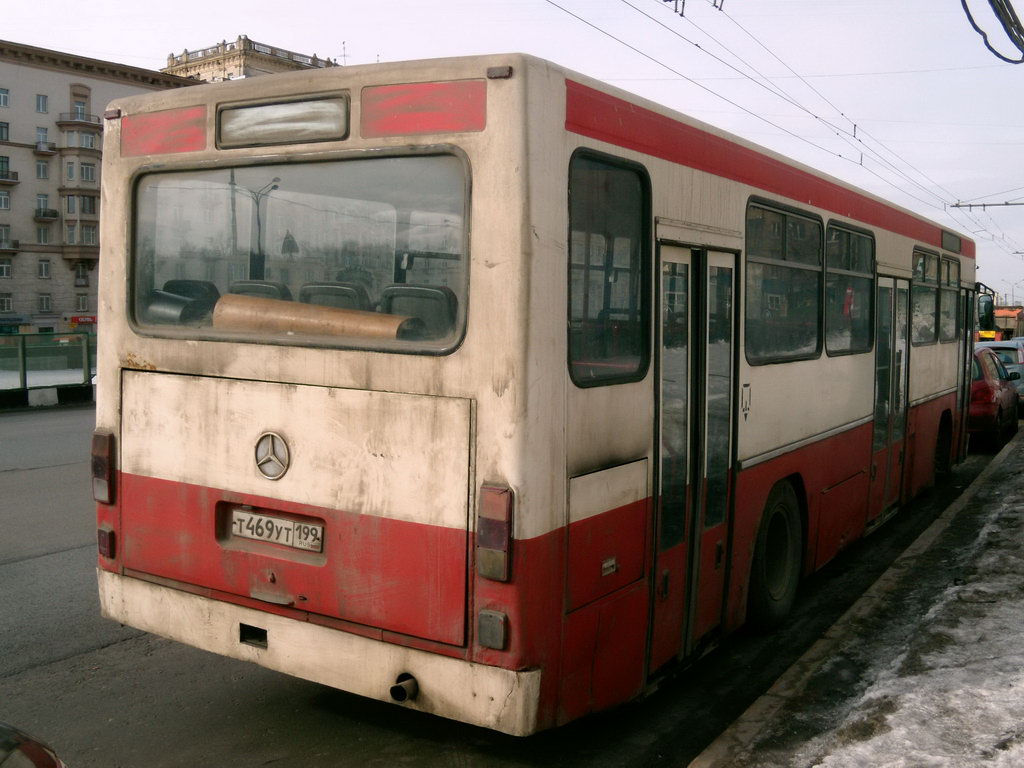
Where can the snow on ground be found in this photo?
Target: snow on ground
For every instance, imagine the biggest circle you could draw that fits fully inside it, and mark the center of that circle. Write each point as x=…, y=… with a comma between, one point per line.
x=937, y=681
x=955, y=696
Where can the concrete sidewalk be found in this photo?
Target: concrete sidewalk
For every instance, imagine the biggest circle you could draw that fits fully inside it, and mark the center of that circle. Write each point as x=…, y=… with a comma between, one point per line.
x=926, y=669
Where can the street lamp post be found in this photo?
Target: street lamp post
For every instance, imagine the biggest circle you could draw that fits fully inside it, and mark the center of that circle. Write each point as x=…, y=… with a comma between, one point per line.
x=1013, y=290
x=257, y=258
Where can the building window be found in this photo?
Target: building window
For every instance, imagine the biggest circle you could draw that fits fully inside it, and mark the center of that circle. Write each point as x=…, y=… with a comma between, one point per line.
x=45, y=302
x=71, y=234
x=71, y=139
x=71, y=172
x=5, y=233
x=70, y=203
x=42, y=103
x=5, y=131
x=6, y=303
x=42, y=169
x=42, y=135
x=42, y=202
x=89, y=140
x=88, y=234
x=81, y=275
x=43, y=269
x=88, y=204
x=43, y=235
x=80, y=109
x=88, y=172
x=4, y=97
x=5, y=268
x=82, y=302
x=5, y=200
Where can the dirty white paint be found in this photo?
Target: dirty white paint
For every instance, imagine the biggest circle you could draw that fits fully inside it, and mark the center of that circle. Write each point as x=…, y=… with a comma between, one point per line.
x=598, y=492
x=403, y=457
x=501, y=699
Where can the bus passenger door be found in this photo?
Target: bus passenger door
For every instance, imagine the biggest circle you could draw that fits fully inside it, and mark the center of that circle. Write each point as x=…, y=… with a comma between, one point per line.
x=695, y=411
x=892, y=346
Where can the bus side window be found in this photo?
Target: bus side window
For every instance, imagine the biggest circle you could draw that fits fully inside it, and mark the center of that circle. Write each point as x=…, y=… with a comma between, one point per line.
x=783, y=307
x=925, y=295
x=608, y=273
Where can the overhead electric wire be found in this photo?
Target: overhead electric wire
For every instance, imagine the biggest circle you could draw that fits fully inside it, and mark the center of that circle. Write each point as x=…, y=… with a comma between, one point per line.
x=900, y=159
x=846, y=136
x=941, y=206
x=1011, y=25
x=694, y=82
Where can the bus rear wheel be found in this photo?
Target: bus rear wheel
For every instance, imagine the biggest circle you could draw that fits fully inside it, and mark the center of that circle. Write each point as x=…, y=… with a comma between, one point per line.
x=775, y=570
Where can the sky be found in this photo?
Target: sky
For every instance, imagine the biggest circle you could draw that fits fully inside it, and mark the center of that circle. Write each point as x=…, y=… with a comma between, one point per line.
x=898, y=97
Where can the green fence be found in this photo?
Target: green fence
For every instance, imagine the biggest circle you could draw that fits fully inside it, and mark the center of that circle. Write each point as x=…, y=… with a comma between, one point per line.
x=36, y=360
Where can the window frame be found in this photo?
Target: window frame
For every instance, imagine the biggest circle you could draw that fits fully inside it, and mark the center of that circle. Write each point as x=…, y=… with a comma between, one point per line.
x=949, y=289
x=645, y=262
x=785, y=211
x=873, y=276
x=42, y=104
x=917, y=283
x=312, y=342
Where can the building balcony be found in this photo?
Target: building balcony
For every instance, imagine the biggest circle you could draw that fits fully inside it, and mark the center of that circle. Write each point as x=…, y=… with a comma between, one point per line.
x=9, y=246
x=47, y=214
x=72, y=119
x=8, y=178
x=45, y=148
x=86, y=253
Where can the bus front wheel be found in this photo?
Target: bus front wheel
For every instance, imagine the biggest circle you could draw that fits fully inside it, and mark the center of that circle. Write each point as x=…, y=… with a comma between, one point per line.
x=775, y=570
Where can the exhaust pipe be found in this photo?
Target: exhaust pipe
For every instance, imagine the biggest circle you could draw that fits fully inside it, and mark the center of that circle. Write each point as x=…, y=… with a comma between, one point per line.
x=405, y=688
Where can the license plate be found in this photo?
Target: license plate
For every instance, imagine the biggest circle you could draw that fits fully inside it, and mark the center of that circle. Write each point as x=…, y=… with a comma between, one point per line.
x=279, y=530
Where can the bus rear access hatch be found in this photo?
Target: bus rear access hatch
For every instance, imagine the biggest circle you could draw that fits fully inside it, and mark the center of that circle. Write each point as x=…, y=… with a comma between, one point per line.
x=347, y=504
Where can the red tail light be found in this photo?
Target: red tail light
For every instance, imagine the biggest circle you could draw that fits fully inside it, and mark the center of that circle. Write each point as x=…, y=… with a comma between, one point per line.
x=982, y=394
x=103, y=467
x=494, y=533
x=414, y=108
x=162, y=133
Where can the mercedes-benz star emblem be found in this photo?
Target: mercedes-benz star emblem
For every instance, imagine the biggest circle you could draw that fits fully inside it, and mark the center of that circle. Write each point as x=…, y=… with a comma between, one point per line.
x=271, y=456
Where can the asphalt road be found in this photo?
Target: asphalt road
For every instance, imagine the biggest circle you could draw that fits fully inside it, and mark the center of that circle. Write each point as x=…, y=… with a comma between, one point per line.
x=111, y=697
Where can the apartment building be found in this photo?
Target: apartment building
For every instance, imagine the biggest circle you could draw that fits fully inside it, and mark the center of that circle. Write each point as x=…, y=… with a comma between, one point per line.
x=240, y=58
x=51, y=145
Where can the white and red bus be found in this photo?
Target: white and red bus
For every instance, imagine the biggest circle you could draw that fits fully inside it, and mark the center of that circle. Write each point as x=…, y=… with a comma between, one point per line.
x=480, y=386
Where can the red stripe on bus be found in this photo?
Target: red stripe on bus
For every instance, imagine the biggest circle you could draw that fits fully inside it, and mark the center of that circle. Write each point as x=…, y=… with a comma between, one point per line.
x=598, y=115
x=416, y=108
x=164, y=133
x=400, y=576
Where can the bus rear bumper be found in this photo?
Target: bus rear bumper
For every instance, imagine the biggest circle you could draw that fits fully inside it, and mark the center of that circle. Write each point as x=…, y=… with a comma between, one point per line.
x=491, y=697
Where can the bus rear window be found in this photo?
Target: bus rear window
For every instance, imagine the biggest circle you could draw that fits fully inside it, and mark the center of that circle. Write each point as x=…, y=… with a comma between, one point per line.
x=365, y=253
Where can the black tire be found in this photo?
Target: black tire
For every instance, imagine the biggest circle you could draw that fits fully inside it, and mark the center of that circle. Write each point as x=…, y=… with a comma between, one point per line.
x=999, y=435
x=775, y=571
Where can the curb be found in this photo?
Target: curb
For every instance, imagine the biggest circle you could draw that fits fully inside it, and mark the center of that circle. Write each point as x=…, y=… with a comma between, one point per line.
x=743, y=733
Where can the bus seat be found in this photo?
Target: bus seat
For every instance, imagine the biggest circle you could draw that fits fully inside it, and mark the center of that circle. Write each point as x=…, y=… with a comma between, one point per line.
x=340, y=295
x=435, y=305
x=265, y=289
x=203, y=290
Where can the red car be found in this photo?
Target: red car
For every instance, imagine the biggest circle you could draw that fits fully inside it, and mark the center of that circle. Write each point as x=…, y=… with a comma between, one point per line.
x=993, y=414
